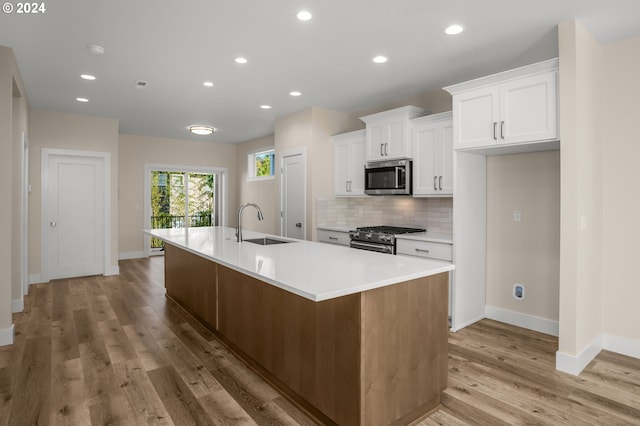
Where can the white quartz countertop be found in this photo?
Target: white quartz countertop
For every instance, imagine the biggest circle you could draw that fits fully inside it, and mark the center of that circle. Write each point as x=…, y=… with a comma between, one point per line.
x=434, y=237
x=313, y=270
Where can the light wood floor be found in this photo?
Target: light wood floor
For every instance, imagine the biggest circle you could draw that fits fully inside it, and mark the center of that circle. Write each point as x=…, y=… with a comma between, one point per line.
x=114, y=350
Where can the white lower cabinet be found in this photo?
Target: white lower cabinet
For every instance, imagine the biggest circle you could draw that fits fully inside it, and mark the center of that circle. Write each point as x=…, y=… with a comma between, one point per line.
x=333, y=237
x=428, y=250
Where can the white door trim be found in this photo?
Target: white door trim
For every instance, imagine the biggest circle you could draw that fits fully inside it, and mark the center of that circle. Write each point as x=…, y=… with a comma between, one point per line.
x=44, y=176
x=222, y=173
x=25, y=215
x=291, y=153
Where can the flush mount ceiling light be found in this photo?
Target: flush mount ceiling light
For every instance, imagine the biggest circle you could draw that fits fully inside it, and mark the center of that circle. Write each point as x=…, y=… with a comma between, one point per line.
x=295, y=93
x=82, y=99
x=380, y=59
x=207, y=84
x=201, y=130
x=88, y=77
x=304, y=15
x=454, y=29
x=241, y=60
x=265, y=106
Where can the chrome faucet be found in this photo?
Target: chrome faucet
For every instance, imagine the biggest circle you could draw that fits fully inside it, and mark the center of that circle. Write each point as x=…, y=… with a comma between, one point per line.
x=239, y=227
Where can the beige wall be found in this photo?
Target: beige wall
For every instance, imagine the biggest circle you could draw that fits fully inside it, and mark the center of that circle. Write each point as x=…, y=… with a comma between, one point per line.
x=435, y=101
x=56, y=130
x=13, y=121
x=136, y=151
x=262, y=192
x=525, y=252
x=581, y=61
x=620, y=114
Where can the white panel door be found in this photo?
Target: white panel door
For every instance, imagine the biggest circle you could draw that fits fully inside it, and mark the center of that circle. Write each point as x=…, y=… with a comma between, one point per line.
x=75, y=208
x=293, y=196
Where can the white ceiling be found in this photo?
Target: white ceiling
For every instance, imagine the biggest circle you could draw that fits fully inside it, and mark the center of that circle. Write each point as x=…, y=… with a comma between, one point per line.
x=176, y=45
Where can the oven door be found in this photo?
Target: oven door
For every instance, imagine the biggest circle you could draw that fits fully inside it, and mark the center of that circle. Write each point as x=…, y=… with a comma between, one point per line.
x=388, y=178
x=380, y=248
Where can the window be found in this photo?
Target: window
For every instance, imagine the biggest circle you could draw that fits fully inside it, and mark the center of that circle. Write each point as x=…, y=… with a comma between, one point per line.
x=182, y=196
x=261, y=164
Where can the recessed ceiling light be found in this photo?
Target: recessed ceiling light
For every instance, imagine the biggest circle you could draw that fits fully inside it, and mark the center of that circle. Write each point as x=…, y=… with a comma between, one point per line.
x=82, y=99
x=304, y=15
x=380, y=59
x=201, y=130
x=295, y=93
x=88, y=77
x=95, y=50
x=265, y=106
x=454, y=29
x=207, y=84
x=241, y=60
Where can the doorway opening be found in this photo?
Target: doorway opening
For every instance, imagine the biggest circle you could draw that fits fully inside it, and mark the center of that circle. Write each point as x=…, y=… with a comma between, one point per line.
x=180, y=197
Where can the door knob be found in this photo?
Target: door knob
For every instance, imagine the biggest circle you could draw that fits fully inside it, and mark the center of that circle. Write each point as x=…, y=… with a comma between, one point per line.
x=299, y=225
x=52, y=224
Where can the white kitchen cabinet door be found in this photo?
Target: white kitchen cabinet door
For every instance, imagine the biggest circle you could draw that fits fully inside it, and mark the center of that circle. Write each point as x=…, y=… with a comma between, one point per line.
x=433, y=155
x=388, y=133
x=528, y=109
x=510, y=109
x=476, y=116
x=349, y=160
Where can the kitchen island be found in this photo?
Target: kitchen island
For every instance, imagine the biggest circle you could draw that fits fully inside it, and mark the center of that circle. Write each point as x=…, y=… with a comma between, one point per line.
x=353, y=337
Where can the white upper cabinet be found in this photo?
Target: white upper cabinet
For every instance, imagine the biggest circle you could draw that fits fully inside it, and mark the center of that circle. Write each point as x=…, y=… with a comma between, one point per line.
x=348, y=160
x=433, y=155
x=388, y=133
x=514, y=107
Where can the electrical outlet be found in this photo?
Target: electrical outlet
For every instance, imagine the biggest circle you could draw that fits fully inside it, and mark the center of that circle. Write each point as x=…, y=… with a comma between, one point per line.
x=517, y=215
x=518, y=291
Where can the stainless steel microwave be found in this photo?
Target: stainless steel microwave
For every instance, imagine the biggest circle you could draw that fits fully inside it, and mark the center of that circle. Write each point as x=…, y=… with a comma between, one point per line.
x=388, y=177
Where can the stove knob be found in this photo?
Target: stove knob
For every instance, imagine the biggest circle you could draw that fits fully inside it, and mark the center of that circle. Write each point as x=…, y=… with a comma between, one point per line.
x=368, y=236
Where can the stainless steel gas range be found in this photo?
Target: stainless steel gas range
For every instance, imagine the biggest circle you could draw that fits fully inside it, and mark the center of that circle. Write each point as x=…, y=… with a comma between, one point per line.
x=378, y=238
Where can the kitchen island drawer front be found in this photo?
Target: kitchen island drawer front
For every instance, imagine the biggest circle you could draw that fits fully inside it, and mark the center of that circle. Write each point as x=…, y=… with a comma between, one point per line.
x=333, y=237
x=426, y=249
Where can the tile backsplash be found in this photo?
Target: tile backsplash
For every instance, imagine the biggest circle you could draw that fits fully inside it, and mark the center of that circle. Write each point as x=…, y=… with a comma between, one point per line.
x=435, y=214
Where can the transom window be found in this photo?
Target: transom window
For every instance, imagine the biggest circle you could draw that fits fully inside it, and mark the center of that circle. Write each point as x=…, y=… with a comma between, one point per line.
x=261, y=164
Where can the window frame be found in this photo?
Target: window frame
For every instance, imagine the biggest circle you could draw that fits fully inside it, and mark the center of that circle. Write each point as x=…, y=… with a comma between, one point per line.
x=251, y=163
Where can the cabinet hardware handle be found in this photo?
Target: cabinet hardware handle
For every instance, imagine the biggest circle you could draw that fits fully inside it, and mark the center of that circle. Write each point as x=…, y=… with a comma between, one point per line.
x=346, y=186
x=381, y=148
x=299, y=225
x=52, y=224
x=350, y=187
x=495, y=125
x=440, y=182
x=333, y=238
x=422, y=250
x=435, y=183
x=502, y=130
x=386, y=149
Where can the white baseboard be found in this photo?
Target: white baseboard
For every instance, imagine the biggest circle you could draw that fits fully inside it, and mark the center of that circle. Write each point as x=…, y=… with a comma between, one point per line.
x=35, y=279
x=7, y=336
x=112, y=270
x=530, y=322
x=622, y=345
x=465, y=324
x=575, y=364
x=17, y=305
x=126, y=255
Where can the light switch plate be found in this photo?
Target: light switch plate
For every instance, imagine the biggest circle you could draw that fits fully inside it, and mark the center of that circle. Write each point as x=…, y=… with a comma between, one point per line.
x=517, y=215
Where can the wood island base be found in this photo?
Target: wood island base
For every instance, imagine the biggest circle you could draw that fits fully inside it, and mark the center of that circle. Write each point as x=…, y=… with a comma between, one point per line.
x=377, y=357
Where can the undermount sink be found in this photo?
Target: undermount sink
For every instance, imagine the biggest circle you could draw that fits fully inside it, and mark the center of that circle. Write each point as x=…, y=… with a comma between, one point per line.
x=265, y=241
